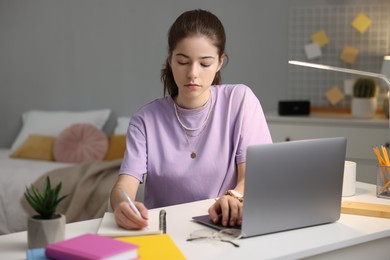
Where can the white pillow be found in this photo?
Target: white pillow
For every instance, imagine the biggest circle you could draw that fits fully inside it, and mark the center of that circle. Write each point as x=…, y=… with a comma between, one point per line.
x=122, y=123
x=54, y=122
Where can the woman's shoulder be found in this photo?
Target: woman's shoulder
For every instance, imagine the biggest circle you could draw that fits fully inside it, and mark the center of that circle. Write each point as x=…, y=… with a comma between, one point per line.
x=238, y=90
x=232, y=88
x=154, y=107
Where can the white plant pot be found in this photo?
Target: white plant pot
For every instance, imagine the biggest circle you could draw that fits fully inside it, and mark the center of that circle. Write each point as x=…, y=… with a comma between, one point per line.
x=42, y=232
x=363, y=107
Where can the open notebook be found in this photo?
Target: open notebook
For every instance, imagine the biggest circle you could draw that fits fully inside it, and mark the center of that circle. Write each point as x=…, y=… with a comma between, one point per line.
x=108, y=226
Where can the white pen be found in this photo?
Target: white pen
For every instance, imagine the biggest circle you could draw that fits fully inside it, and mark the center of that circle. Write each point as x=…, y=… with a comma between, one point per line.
x=126, y=197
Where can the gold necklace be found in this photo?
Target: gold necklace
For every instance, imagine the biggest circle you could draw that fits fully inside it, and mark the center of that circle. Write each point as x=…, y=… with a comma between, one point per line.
x=193, y=153
x=204, y=121
x=185, y=129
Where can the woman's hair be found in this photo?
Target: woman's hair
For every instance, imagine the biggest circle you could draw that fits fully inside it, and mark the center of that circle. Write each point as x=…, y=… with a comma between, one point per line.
x=195, y=22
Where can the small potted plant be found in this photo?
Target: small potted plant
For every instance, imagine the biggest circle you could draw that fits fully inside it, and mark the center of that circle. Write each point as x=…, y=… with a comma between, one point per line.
x=364, y=100
x=47, y=226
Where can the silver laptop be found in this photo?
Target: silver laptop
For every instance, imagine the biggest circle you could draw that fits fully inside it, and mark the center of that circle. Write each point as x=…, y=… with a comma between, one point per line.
x=291, y=185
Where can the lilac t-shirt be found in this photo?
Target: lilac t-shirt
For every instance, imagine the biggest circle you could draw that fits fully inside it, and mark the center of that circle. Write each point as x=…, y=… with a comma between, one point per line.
x=156, y=144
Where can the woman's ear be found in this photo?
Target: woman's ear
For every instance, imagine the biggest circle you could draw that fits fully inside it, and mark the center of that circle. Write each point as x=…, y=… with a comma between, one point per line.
x=221, y=61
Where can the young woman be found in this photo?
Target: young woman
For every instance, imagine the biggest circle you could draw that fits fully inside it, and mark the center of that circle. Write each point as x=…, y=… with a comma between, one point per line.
x=192, y=143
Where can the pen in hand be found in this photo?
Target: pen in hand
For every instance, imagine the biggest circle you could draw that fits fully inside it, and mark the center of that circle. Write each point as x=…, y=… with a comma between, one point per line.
x=132, y=206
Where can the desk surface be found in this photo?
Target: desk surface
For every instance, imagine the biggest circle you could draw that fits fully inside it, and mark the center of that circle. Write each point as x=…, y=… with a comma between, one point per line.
x=349, y=230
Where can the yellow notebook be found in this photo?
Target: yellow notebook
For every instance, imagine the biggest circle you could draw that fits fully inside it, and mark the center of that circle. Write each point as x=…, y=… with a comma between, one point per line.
x=155, y=247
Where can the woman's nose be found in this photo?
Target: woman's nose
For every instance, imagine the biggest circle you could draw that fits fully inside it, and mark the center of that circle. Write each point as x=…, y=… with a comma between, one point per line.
x=193, y=71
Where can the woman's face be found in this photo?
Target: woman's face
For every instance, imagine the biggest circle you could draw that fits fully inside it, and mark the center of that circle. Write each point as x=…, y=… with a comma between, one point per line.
x=194, y=63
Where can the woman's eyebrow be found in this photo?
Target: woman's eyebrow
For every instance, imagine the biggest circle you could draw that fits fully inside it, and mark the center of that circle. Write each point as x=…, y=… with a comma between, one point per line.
x=187, y=57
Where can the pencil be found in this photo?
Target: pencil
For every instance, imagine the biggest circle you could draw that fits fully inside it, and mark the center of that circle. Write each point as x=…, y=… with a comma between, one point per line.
x=385, y=186
x=386, y=156
x=381, y=162
x=378, y=155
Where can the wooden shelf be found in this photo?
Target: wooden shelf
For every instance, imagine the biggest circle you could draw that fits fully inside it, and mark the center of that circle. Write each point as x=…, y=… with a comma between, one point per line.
x=338, y=110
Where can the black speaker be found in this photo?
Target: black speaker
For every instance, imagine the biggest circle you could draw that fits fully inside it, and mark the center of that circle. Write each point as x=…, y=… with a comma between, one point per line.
x=296, y=107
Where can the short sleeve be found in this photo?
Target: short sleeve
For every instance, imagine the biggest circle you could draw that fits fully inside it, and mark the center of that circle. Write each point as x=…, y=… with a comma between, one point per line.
x=135, y=159
x=253, y=125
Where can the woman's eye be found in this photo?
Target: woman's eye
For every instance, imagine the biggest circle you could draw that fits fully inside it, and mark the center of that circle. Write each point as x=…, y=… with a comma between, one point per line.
x=205, y=65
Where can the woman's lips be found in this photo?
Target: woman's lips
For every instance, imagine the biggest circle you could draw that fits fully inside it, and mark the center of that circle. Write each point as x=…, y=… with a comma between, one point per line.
x=191, y=86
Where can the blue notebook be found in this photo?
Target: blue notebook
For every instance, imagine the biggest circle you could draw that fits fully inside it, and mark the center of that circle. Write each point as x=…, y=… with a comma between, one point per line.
x=36, y=254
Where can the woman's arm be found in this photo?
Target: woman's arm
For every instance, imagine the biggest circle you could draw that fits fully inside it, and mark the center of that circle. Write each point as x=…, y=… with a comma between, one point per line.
x=124, y=215
x=240, y=178
x=127, y=183
x=228, y=207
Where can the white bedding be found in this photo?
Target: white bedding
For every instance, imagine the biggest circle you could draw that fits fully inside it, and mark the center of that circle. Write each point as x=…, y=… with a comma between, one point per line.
x=15, y=176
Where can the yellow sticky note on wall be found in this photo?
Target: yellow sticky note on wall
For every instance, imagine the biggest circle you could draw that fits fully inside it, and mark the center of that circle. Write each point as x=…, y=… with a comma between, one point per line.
x=349, y=54
x=320, y=38
x=361, y=22
x=334, y=95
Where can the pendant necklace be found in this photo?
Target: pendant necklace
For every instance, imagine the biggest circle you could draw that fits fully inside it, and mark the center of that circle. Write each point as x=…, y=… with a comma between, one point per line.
x=193, y=153
x=187, y=136
x=185, y=128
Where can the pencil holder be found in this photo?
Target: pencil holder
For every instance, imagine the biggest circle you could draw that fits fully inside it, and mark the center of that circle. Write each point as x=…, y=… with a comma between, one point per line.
x=383, y=182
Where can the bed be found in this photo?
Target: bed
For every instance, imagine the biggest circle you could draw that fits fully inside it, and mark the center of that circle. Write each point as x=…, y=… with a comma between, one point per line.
x=48, y=144
x=15, y=176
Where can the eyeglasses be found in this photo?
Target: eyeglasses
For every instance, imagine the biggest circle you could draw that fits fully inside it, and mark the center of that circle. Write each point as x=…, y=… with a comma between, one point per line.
x=224, y=235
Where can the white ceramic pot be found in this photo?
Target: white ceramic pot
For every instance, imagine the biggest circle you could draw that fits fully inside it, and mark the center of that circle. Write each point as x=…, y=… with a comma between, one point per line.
x=41, y=232
x=363, y=107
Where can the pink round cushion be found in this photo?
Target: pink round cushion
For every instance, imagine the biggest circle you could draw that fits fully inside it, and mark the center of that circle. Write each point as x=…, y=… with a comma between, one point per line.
x=80, y=143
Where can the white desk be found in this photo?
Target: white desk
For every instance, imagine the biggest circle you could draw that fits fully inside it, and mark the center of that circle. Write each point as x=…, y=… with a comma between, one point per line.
x=352, y=237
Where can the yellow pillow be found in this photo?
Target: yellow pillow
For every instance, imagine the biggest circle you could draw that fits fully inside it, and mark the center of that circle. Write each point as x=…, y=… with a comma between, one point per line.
x=37, y=147
x=116, y=147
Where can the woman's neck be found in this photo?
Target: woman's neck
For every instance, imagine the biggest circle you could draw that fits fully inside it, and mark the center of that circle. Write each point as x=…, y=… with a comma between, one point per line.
x=191, y=103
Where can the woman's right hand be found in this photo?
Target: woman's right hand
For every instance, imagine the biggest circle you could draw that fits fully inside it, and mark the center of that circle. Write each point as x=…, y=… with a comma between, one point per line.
x=125, y=217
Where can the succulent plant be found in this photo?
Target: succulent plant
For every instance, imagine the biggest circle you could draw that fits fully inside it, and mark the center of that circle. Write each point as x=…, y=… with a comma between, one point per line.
x=44, y=204
x=364, y=88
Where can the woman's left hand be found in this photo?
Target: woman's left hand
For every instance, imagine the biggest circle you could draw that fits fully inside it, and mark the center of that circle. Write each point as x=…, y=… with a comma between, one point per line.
x=227, y=210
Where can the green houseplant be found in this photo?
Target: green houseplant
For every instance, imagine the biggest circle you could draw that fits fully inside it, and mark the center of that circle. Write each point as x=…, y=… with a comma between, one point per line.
x=364, y=88
x=47, y=226
x=364, y=100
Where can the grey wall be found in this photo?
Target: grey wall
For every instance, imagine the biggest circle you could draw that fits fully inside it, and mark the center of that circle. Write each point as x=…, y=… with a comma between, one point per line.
x=89, y=54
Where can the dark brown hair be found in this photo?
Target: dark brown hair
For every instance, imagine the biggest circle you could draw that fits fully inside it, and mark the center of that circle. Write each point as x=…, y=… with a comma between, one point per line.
x=190, y=23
